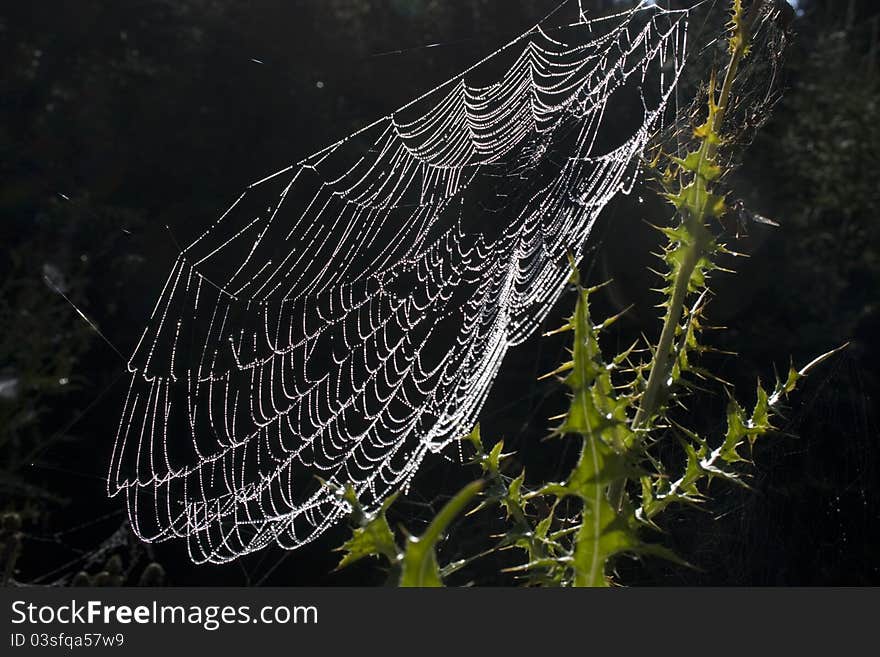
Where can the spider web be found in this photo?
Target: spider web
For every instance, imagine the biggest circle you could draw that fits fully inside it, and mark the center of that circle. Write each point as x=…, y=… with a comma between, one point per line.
x=347, y=315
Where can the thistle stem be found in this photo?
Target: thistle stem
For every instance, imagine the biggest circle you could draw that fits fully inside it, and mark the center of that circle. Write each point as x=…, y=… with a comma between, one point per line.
x=700, y=236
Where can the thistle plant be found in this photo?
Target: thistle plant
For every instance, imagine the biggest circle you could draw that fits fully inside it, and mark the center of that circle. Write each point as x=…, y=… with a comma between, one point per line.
x=415, y=564
x=626, y=408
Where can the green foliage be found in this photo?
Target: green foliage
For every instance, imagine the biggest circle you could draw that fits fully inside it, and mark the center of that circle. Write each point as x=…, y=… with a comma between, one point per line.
x=374, y=536
x=599, y=416
x=611, y=503
x=612, y=520
x=419, y=565
x=414, y=565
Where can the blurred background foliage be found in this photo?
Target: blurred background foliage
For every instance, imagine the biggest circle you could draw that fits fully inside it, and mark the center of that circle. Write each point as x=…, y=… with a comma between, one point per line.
x=126, y=125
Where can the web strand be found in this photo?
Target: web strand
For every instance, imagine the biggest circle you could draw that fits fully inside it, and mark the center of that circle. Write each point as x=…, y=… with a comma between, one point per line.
x=347, y=315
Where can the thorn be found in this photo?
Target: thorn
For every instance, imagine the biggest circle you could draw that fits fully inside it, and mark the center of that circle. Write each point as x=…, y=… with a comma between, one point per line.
x=561, y=329
x=559, y=370
x=820, y=359
x=608, y=322
x=598, y=287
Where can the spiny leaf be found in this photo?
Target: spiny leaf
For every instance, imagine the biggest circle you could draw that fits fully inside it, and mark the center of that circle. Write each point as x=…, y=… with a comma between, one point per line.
x=736, y=433
x=475, y=439
x=693, y=471
x=603, y=533
x=697, y=163
x=738, y=36
x=513, y=501
x=783, y=388
x=373, y=538
x=419, y=567
x=706, y=133
x=761, y=414
x=492, y=462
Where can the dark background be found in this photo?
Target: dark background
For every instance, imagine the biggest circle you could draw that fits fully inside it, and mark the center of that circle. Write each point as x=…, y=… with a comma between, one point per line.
x=123, y=123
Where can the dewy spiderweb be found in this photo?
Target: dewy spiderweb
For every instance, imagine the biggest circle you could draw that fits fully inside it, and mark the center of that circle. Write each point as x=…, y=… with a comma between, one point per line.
x=348, y=314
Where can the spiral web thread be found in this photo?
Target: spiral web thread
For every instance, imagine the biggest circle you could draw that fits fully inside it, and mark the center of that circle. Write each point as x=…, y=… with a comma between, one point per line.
x=347, y=315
